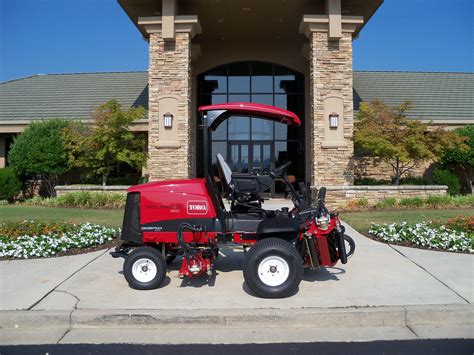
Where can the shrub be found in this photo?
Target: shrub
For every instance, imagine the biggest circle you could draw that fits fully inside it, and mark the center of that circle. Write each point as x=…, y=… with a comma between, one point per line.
x=460, y=158
x=445, y=177
x=460, y=223
x=389, y=202
x=82, y=199
x=411, y=202
x=436, y=201
x=414, y=180
x=10, y=186
x=14, y=230
x=38, y=153
x=405, y=181
x=362, y=202
x=371, y=181
x=462, y=201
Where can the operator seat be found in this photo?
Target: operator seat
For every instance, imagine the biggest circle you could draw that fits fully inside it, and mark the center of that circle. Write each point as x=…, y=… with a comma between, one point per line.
x=245, y=188
x=240, y=184
x=225, y=175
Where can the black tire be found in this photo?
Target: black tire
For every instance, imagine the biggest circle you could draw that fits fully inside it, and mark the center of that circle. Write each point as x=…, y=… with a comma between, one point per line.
x=140, y=259
x=285, y=257
x=350, y=245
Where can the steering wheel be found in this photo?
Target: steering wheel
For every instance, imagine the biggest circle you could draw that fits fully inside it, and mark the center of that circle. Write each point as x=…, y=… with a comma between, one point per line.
x=280, y=170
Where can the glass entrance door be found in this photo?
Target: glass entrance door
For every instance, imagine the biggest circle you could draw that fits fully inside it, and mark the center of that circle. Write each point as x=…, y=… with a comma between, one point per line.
x=245, y=140
x=251, y=157
x=239, y=157
x=261, y=158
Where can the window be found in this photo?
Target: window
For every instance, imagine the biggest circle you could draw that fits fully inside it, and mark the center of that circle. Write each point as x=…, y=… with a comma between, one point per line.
x=247, y=141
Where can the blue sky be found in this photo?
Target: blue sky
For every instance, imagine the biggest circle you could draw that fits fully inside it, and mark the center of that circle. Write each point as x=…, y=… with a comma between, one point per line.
x=64, y=36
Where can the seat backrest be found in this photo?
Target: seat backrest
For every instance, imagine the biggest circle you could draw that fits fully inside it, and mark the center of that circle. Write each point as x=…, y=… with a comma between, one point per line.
x=225, y=173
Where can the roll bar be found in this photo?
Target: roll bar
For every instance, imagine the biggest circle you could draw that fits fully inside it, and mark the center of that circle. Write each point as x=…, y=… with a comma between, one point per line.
x=214, y=115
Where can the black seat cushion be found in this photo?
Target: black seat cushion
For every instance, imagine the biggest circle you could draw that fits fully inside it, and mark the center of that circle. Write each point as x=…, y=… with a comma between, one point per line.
x=245, y=183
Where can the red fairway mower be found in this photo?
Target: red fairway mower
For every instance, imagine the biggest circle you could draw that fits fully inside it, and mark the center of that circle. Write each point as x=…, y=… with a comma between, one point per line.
x=188, y=217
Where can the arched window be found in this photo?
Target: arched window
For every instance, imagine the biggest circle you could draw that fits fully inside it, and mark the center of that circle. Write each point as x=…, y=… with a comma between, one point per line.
x=249, y=144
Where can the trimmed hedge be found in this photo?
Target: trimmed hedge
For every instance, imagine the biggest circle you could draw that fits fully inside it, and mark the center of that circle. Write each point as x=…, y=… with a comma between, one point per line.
x=433, y=201
x=82, y=199
x=446, y=177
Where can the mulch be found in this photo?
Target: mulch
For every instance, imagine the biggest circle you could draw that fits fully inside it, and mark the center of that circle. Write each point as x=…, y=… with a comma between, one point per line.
x=76, y=251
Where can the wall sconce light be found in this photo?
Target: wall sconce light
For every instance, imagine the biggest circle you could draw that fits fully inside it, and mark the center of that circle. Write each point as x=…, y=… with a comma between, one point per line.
x=168, y=120
x=333, y=120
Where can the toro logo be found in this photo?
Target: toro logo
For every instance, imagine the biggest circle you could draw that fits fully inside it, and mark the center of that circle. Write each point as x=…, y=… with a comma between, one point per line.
x=197, y=207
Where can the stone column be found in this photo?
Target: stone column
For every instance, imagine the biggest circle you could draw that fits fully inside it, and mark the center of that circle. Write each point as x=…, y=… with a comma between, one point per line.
x=169, y=84
x=330, y=59
x=3, y=160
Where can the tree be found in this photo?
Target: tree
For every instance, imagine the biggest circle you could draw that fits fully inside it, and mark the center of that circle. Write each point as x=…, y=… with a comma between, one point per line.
x=386, y=134
x=38, y=153
x=105, y=143
x=460, y=157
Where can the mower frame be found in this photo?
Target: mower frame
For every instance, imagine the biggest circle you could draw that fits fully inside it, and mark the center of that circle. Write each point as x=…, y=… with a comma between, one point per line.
x=188, y=217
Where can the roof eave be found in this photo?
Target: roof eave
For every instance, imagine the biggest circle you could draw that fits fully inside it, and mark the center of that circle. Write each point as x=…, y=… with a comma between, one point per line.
x=145, y=35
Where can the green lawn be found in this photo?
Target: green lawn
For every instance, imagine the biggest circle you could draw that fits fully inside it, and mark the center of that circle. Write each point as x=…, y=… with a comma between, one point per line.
x=362, y=220
x=112, y=218
x=359, y=220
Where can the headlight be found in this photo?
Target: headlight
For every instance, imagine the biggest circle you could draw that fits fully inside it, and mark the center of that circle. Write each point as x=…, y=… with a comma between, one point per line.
x=323, y=222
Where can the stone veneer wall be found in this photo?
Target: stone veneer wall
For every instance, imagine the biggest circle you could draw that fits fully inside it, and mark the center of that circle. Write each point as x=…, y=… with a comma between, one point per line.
x=170, y=74
x=341, y=196
x=331, y=74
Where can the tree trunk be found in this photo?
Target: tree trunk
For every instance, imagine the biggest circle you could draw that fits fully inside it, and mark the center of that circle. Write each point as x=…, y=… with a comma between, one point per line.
x=49, y=183
x=397, y=173
x=104, y=179
x=397, y=179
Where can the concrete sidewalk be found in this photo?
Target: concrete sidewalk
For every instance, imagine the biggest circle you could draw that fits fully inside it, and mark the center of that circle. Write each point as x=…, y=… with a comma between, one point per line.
x=383, y=292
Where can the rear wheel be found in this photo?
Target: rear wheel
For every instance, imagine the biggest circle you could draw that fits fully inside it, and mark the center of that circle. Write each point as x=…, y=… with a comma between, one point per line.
x=144, y=268
x=350, y=245
x=273, y=268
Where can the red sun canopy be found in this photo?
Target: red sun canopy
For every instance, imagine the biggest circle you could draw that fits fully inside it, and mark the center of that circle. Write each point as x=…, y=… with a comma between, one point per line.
x=223, y=111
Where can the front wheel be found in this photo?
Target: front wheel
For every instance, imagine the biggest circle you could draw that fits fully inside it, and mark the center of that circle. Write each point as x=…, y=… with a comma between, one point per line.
x=350, y=245
x=273, y=268
x=144, y=268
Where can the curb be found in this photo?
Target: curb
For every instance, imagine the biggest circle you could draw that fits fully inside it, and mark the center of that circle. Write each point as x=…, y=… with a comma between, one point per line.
x=257, y=318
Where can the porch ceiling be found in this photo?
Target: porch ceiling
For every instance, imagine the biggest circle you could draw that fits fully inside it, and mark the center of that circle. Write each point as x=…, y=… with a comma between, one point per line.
x=256, y=20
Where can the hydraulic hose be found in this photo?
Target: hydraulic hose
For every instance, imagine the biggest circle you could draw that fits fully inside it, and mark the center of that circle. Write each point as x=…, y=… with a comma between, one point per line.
x=188, y=253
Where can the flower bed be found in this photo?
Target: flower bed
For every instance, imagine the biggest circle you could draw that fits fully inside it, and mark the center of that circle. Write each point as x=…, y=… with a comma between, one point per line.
x=456, y=235
x=29, y=239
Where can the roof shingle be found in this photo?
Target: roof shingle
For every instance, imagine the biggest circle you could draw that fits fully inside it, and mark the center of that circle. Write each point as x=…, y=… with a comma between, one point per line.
x=69, y=96
x=437, y=96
